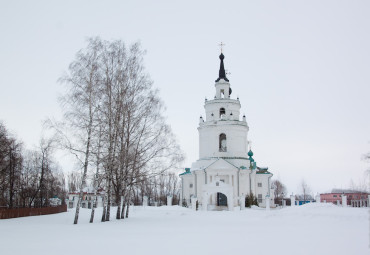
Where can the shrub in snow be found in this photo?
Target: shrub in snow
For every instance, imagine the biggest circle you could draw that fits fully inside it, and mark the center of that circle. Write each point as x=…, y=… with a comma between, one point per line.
x=251, y=200
x=184, y=203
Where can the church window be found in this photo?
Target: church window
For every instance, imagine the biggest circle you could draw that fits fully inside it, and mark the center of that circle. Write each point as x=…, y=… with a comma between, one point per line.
x=259, y=198
x=222, y=112
x=259, y=184
x=222, y=143
x=191, y=185
x=217, y=184
x=222, y=93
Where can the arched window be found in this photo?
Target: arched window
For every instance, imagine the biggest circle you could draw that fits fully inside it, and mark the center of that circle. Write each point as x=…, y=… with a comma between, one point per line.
x=222, y=112
x=222, y=143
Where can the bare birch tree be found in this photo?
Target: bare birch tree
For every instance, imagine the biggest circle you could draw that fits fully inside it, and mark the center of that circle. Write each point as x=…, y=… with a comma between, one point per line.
x=305, y=190
x=279, y=190
x=137, y=137
x=80, y=105
x=114, y=120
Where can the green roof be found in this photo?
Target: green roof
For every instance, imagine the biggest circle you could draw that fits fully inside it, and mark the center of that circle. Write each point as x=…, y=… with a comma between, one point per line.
x=187, y=171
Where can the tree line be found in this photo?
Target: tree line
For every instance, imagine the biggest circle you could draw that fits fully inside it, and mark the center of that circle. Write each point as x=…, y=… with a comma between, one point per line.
x=156, y=188
x=113, y=125
x=28, y=178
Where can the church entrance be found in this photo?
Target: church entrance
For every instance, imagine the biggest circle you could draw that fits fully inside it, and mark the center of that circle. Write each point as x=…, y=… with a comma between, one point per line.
x=217, y=196
x=221, y=199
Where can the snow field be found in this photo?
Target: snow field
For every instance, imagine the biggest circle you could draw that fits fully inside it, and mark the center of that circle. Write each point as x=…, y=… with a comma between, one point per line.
x=309, y=229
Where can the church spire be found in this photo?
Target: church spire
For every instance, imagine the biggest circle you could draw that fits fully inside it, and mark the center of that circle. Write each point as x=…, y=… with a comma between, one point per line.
x=222, y=73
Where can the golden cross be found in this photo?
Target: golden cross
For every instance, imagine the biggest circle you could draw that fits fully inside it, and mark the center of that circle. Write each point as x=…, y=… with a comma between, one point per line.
x=221, y=45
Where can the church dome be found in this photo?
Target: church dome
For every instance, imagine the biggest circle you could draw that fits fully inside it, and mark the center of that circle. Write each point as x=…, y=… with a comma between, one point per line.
x=250, y=153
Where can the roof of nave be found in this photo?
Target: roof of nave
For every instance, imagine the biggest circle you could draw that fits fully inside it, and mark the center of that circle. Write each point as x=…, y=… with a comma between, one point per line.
x=213, y=161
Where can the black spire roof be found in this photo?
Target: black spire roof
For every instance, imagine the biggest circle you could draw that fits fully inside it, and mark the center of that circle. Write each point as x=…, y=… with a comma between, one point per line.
x=222, y=73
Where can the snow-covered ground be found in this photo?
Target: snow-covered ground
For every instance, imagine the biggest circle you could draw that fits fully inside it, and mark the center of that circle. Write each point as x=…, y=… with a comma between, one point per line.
x=309, y=229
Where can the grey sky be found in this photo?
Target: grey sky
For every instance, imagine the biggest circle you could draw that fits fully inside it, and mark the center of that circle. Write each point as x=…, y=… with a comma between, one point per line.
x=300, y=69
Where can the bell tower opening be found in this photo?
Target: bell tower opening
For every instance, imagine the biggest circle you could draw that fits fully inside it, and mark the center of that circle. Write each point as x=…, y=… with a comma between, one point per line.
x=222, y=143
x=222, y=112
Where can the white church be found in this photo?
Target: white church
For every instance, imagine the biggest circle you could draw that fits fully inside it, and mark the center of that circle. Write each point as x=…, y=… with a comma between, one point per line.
x=225, y=172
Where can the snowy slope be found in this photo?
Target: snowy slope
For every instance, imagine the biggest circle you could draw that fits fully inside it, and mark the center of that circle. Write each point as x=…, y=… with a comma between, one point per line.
x=309, y=229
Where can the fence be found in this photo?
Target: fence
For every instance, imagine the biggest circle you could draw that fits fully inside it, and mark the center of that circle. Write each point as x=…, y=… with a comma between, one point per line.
x=24, y=212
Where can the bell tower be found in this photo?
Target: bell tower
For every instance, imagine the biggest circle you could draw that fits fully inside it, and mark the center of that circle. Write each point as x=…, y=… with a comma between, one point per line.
x=222, y=133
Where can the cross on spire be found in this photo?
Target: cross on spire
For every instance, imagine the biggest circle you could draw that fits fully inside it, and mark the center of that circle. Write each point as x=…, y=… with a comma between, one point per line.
x=221, y=45
x=221, y=72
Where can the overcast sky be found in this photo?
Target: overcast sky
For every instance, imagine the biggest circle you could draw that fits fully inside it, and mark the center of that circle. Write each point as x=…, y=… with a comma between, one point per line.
x=300, y=69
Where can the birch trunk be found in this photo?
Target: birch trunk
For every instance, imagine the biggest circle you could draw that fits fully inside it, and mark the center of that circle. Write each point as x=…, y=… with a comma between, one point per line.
x=128, y=206
x=104, y=210
x=118, y=215
x=93, y=209
x=87, y=154
x=84, y=175
x=123, y=211
x=107, y=216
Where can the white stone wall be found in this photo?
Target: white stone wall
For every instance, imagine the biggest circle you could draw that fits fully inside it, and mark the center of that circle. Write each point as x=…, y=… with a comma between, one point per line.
x=200, y=178
x=231, y=106
x=236, y=139
x=229, y=175
x=244, y=183
x=264, y=190
x=222, y=89
x=188, y=179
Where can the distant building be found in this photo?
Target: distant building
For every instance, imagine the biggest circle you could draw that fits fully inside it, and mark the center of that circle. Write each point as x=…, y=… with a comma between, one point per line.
x=55, y=201
x=354, y=198
x=88, y=199
x=301, y=199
